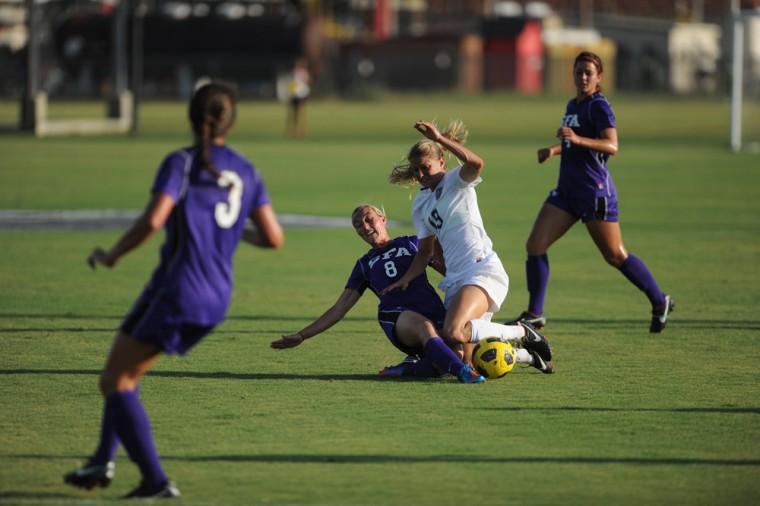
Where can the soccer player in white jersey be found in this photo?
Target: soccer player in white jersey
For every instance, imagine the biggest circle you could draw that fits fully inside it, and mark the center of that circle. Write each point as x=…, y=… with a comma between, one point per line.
x=446, y=208
x=409, y=318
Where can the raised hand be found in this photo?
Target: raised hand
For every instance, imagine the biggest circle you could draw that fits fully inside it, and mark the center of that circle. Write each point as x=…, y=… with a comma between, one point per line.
x=428, y=129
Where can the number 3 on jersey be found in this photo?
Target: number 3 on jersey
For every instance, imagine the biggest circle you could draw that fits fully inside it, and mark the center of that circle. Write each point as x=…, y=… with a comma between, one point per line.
x=226, y=213
x=435, y=220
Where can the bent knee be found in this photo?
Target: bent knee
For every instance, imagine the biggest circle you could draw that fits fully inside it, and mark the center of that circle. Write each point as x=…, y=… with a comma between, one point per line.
x=110, y=383
x=615, y=258
x=107, y=383
x=427, y=329
x=535, y=246
x=454, y=334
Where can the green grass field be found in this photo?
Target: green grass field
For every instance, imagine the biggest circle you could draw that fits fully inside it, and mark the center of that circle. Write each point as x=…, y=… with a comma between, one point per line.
x=628, y=419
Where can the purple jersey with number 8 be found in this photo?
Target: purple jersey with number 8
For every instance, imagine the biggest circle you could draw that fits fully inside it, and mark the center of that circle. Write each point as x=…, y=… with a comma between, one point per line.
x=380, y=267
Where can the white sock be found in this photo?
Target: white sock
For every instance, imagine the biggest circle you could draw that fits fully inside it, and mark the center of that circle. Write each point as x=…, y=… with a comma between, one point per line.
x=482, y=329
x=523, y=356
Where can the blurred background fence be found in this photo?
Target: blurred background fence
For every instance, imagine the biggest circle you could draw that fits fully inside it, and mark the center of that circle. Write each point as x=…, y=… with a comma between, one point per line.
x=157, y=49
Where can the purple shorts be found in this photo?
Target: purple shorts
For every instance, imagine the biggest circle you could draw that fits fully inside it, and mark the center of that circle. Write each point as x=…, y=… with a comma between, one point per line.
x=387, y=319
x=152, y=321
x=589, y=207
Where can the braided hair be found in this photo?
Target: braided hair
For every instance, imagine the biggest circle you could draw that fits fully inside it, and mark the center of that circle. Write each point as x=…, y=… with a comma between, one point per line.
x=212, y=113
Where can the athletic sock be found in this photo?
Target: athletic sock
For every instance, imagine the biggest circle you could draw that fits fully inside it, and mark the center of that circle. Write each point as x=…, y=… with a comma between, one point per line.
x=109, y=440
x=133, y=427
x=523, y=356
x=443, y=357
x=638, y=274
x=537, y=274
x=481, y=329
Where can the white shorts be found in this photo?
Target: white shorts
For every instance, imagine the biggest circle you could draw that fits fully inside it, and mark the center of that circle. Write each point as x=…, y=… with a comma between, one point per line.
x=488, y=274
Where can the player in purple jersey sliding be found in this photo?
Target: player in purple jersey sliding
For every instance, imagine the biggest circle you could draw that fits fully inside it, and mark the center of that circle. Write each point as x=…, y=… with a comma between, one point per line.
x=446, y=211
x=409, y=319
x=586, y=191
x=203, y=196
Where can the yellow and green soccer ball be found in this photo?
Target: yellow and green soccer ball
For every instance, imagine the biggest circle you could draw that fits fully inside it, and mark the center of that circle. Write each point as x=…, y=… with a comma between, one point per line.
x=493, y=358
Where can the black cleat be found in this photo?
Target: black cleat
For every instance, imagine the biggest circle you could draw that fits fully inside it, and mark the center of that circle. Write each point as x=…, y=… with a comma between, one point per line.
x=91, y=475
x=535, y=342
x=660, y=315
x=166, y=490
x=538, y=322
x=546, y=367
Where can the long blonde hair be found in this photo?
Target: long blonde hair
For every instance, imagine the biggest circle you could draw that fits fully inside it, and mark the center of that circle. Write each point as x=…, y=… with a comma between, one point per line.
x=404, y=173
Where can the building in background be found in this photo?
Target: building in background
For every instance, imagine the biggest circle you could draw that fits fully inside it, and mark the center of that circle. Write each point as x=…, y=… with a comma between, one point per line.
x=358, y=47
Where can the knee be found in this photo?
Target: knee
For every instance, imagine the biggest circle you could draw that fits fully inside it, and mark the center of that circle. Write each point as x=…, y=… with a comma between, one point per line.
x=107, y=383
x=110, y=383
x=535, y=247
x=427, y=330
x=615, y=258
x=424, y=332
x=454, y=334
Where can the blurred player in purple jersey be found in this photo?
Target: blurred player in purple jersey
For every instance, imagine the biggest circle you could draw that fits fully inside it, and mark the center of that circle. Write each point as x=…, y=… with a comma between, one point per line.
x=202, y=195
x=586, y=191
x=409, y=319
x=446, y=210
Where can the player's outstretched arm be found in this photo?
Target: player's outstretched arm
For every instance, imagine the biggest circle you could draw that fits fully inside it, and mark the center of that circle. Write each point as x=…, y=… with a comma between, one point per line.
x=336, y=313
x=151, y=220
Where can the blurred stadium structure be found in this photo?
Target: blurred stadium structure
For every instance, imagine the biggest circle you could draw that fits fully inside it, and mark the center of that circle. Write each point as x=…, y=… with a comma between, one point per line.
x=120, y=49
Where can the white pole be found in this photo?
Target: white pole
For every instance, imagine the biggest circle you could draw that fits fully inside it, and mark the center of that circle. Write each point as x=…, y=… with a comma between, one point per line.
x=737, y=80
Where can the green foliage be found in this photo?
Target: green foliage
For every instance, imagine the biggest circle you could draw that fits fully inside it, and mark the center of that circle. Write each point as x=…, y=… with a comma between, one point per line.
x=629, y=418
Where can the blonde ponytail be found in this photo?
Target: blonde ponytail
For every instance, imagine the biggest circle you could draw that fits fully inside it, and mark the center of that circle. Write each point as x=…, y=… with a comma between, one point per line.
x=403, y=172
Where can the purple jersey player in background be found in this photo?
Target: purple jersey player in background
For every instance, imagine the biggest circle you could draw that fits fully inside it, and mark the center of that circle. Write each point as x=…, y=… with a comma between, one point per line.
x=203, y=195
x=585, y=191
x=408, y=317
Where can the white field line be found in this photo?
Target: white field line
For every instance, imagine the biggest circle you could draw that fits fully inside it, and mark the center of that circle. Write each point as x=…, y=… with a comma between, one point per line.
x=114, y=218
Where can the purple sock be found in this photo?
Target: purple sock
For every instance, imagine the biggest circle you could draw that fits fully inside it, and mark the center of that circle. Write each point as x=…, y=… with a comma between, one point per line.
x=638, y=274
x=537, y=272
x=109, y=440
x=443, y=357
x=133, y=427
